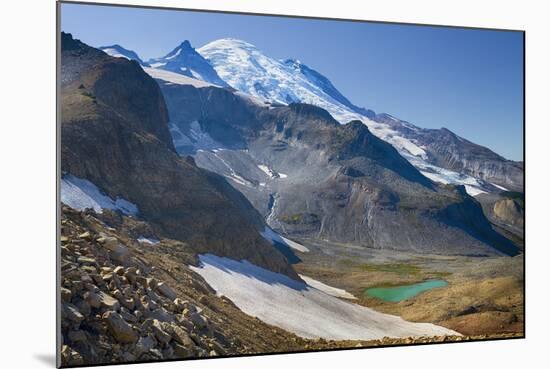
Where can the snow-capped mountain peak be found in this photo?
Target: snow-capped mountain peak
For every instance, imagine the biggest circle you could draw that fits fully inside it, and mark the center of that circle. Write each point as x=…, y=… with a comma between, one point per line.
x=244, y=67
x=247, y=69
x=118, y=51
x=185, y=60
x=182, y=49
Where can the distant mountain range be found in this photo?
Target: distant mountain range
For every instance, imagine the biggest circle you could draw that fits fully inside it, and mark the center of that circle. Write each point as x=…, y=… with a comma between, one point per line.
x=438, y=153
x=276, y=133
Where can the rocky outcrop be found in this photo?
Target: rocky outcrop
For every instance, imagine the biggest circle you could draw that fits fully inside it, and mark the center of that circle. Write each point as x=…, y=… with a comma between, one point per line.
x=506, y=212
x=312, y=177
x=114, y=133
x=509, y=211
x=115, y=311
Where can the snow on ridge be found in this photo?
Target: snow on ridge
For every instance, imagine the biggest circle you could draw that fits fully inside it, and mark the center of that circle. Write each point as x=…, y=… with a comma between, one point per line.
x=82, y=194
x=173, y=55
x=500, y=187
x=176, y=78
x=296, y=307
x=115, y=53
x=472, y=185
x=148, y=240
x=329, y=290
x=272, y=236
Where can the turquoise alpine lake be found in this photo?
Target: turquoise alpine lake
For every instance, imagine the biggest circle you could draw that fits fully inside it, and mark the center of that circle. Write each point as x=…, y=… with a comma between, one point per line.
x=400, y=293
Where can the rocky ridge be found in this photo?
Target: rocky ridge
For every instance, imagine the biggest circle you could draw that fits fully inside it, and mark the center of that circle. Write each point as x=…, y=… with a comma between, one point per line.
x=114, y=310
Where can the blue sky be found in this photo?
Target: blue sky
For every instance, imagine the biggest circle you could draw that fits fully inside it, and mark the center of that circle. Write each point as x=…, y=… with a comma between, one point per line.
x=470, y=81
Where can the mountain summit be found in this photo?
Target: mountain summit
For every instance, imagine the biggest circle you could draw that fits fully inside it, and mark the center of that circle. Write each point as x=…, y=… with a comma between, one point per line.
x=185, y=60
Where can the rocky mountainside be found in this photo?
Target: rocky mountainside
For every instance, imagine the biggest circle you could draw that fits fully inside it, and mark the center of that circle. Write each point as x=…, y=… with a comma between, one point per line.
x=115, y=135
x=123, y=301
x=185, y=60
x=442, y=155
x=313, y=177
x=446, y=149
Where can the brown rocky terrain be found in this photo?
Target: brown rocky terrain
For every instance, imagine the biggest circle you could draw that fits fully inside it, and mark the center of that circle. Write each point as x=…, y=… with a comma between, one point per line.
x=506, y=211
x=123, y=301
x=509, y=211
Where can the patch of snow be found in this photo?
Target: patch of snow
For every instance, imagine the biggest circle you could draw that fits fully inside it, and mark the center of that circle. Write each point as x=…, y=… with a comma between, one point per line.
x=267, y=170
x=196, y=75
x=472, y=185
x=500, y=187
x=115, y=53
x=296, y=307
x=173, y=55
x=270, y=172
x=150, y=241
x=253, y=99
x=176, y=78
x=82, y=194
x=329, y=290
x=272, y=236
x=450, y=177
x=232, y=174
x=157, y=65
x=473, y=191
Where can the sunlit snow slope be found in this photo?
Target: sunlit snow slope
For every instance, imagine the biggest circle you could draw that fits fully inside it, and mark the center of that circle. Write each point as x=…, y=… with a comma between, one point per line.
x=82, y=194
x=300, y=308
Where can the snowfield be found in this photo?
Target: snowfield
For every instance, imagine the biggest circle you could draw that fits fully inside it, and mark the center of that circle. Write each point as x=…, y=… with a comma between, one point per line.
x=472, y=185
x=150, y=241
x=329, y=290
x=176, y=78
x=272, y=236
x=296, y=307
x=82, y=194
